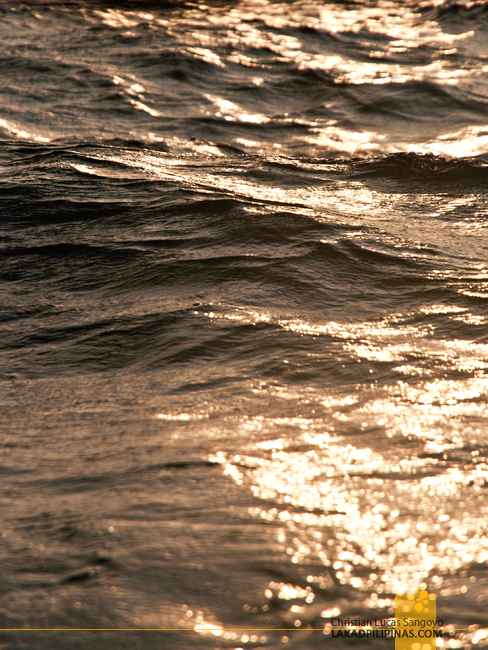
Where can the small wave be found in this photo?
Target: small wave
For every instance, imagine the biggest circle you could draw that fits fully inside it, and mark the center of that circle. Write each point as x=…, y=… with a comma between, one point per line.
x=421, y=166
x=460, y=11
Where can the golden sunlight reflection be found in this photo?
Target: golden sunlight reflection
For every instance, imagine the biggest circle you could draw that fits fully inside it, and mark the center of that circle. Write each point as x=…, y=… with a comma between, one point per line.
x=17, y=132
x=397, y=528
x=116, y=19
x=389, y=340
x=350, y=201
x=469, y=141
x=332, y=481
x=230, y=111
x=238, y=29
x=238, y=36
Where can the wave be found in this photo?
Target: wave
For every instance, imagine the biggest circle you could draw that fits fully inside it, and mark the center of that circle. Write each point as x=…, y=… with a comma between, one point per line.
x=427, y=167
x=243, y=316
x=461, y=11
x=88, y=223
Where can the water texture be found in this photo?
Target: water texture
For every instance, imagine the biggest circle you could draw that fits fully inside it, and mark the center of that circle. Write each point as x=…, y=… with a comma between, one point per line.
x=244, y=320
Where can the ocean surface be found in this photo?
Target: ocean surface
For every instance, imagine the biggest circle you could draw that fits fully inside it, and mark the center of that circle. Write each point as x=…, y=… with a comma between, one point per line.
x=243, y=321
